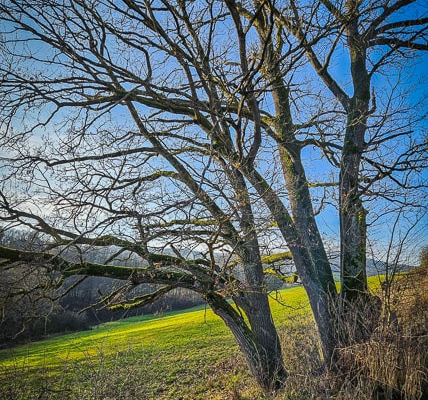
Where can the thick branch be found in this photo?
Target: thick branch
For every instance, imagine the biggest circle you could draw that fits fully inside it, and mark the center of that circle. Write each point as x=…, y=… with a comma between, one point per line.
x=168, y=269
x=141, y=300
x=396, y=43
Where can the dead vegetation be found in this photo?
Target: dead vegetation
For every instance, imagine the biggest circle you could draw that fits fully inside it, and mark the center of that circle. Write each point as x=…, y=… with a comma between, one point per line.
x=391, y=364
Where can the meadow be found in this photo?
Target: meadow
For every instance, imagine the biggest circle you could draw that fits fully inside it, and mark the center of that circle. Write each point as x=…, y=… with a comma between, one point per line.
x=188, y=355
x=178, y=355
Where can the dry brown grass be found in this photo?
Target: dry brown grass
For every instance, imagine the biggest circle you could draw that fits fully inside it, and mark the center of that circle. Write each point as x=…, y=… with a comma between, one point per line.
x=393, y=363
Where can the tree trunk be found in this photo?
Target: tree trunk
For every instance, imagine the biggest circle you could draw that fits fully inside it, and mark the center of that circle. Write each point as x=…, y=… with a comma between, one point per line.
x=300, y=230
x=260, y=344
x=313, y=270
x=351, y=211
x=312, y=264
x=305, y=243
x=358, y=311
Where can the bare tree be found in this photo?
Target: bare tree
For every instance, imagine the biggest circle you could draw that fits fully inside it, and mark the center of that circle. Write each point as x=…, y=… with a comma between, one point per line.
x=379, y=40
x=154, y=126
x=134, y=164
x=379, y=146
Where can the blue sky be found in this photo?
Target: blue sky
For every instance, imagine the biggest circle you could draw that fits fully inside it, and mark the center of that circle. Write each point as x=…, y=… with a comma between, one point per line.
x=414, y=75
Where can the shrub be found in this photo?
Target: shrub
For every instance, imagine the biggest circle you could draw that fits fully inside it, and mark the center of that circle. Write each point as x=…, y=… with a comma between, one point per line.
x=67, y=321
x=393, y=362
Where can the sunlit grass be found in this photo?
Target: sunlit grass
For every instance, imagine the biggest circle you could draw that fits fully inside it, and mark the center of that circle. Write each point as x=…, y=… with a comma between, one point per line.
x=166, y=355
x=148, y=332
x=187, y=355
x=160, y=332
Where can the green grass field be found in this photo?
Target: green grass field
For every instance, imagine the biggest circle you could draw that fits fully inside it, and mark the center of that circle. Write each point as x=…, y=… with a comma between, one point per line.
x=188, y=355
x=191, y=355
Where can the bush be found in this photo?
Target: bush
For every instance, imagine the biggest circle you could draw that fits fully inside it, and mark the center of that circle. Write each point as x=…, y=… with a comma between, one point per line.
x=393, y=363
x=66, y=321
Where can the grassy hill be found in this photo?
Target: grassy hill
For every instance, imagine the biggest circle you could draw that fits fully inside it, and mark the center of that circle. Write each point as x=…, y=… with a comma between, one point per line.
x=179, y=355
x=188, y=355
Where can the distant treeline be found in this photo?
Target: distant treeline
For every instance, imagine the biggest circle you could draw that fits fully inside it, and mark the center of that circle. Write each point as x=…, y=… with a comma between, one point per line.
x=34, y=306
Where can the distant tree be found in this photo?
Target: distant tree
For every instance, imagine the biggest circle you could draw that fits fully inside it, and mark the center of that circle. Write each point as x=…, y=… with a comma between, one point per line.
x=24, y=302
x=424, y=257
x=153, y=126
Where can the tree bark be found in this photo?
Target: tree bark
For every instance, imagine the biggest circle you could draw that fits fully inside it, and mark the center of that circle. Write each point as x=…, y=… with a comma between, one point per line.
x=266, y=362
x=312, y=262
x=260, y=344
x=351, y=211
x=318, y=282
x=300, y=231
